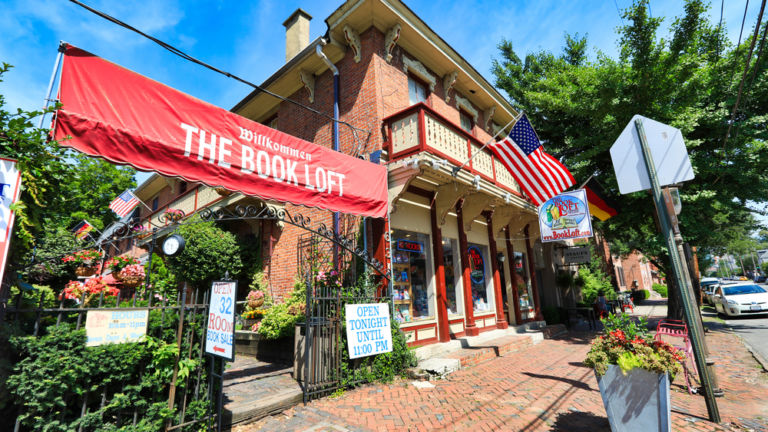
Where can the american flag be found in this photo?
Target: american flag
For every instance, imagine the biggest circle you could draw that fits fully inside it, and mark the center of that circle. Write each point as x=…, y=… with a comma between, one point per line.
x=539, y=175
x=124, y=203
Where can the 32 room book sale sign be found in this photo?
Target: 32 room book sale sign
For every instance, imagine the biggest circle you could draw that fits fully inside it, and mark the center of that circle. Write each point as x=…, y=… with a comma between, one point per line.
x=220, y=332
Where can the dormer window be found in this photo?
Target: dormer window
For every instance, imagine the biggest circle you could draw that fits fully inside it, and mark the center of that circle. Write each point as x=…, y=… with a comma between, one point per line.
x=155, y=203
x=417, y=91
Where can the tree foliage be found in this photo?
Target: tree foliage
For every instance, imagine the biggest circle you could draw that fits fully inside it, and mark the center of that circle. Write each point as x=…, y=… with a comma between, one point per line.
x=59, y=187
x=689, y=81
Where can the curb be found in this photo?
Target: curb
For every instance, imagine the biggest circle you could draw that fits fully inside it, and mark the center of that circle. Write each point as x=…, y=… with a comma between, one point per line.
x=763, y=363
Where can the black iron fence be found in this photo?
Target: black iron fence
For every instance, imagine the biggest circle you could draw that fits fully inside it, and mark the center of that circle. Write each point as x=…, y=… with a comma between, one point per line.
x=54, y=382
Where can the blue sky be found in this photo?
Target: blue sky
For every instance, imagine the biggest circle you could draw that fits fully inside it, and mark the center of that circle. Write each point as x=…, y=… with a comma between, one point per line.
x=246, y=38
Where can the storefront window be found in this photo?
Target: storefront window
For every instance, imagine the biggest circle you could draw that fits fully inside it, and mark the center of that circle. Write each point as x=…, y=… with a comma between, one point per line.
x=413, y=290
x=452, y=277
x=479, y=267
x=522, y=285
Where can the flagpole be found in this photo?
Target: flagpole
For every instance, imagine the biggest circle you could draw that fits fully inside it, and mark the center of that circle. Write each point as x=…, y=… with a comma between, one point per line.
x=585, y=183
x=50, y=83
x=493, y=138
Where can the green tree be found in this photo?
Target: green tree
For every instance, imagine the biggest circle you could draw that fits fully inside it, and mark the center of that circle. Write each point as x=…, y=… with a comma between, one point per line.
x=689, y=81
x=59, y=187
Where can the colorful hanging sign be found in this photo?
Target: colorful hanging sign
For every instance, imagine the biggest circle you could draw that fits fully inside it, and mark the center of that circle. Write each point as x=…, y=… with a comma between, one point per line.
x=476, y=265
x=220, y=332
x=565, y=216
x=10, y=188
x=126, y=118
x=368, y=329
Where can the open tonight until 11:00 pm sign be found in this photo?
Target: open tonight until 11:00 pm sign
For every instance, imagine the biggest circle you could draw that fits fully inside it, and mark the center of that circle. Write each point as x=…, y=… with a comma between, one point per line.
x=565, y=216
x=368, y=329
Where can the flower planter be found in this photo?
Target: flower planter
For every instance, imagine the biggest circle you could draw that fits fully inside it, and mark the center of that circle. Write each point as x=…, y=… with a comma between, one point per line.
x=254, y=345
x=84, y=271
x=638, y=401
x=253, y=304
x=223, y=192
x=131, y=281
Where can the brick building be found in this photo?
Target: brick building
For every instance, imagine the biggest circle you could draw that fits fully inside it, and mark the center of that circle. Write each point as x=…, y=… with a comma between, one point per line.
x=459, y=240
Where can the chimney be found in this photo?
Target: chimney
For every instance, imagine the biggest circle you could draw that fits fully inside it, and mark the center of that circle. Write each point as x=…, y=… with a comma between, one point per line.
x=296, y=33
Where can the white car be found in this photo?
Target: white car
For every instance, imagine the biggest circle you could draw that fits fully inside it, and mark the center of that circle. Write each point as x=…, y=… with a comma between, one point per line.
x=740, y=299
x=708, y=286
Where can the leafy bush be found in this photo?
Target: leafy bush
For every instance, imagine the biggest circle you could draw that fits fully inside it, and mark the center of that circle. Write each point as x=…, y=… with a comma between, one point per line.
x=661, y=289
x=53, y=372
x=209, y=253
x=161, y=280
x=640, y=295
x=381, y=367
x=280, y=319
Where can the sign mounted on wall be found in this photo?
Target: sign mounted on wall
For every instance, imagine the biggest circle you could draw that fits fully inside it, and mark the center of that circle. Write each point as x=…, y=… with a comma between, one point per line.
x=220, y=331
x=576, y=255
x=565, y=216
x=115, y=326
x=126, y=118
x=368, y=331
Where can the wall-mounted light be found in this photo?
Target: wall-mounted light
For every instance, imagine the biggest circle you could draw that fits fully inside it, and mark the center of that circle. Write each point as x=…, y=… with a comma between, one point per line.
x=507, y=198
x=476, y=182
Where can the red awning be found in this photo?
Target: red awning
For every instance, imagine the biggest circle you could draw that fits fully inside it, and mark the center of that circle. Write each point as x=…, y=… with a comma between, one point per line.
x=127, y=118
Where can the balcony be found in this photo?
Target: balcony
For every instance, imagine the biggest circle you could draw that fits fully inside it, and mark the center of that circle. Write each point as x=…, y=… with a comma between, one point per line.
x=420, y=129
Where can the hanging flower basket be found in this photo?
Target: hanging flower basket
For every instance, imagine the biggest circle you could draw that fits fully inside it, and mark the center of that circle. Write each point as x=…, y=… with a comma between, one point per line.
x=132, y=281
x=253, y=304
x=85, y=271
x=132, y=275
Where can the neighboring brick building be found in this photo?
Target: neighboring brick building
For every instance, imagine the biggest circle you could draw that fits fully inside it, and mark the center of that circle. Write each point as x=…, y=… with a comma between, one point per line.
x=469, y=238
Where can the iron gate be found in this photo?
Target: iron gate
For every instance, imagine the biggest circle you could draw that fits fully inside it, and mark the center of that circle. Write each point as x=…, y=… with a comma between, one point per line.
x=334, y=277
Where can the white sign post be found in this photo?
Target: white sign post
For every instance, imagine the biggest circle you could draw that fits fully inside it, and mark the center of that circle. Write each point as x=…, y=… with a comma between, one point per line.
x=10, y=187
x=368, y=331
x=115, y=326
x=220, y=332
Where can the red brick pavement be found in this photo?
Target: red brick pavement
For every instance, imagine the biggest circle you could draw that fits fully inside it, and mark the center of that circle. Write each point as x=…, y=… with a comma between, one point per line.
x=541, y=388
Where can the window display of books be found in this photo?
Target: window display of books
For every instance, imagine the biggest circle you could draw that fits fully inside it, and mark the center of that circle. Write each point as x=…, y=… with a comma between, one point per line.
x=402, y=293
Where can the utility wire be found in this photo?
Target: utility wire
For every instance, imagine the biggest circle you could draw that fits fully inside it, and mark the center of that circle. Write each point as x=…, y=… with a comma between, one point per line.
x=186, y=56
x=744, y=75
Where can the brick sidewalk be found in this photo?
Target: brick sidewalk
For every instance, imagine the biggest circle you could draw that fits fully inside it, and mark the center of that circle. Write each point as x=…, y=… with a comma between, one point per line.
x=541, y=388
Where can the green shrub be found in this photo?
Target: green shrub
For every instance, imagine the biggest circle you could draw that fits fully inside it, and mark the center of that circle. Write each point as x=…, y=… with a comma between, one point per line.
x=209, y=253
x=52, y=373
x=640, y=295
x=280, y=319
x=661, y=289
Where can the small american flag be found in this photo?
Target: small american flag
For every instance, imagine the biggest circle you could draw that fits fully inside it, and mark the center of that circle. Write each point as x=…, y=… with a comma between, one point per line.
x=539, y=175
x=124, y=203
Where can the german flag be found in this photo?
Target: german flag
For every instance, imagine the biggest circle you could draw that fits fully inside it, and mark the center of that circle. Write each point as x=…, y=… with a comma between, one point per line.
x=599, y=205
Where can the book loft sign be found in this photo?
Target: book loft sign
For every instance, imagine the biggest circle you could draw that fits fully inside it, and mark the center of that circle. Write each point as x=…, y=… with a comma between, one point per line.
x=368, y=329
x=565, y=216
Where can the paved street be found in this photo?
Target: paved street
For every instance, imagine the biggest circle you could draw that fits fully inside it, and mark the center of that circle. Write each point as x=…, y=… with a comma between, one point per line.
x=541, y=388
x=753, y=329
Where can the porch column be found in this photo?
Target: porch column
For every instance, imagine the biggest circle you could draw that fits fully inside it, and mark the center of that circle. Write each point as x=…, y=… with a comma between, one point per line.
x=532, y=272
x=470, y=329
x=501, y=321
x=513, y=276
x=437, y=251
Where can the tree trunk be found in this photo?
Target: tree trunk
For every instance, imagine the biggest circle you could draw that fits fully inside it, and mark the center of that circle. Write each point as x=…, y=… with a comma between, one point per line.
x=674, y=301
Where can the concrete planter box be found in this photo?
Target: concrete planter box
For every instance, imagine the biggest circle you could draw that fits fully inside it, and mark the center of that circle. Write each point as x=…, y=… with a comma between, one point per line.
x=252, y=344
x=638, y=401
